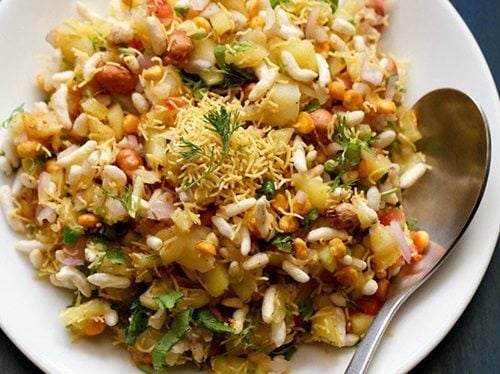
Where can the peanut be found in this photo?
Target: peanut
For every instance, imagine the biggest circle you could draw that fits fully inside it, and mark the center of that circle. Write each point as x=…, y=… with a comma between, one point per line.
x=322, y=120
x=116, y=79
x=88, y=220
x=128, y=160
x=180, y=46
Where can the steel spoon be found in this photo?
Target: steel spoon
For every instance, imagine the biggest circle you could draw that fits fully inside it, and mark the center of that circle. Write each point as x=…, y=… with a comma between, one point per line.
x=456, y=142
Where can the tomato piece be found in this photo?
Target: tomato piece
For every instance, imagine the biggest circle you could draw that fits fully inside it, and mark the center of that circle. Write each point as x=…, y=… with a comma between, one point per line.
x=137, y=44
x=369, y=305
x=392, y=214
x=160, y=9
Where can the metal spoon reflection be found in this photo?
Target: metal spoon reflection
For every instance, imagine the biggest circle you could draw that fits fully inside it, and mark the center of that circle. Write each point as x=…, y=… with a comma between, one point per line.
x=456, y=142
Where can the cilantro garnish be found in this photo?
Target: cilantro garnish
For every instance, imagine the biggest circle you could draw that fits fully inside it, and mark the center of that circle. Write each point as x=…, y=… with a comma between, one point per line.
x=129, y=201
x=310, y=217
x=138, y=322
x=233, y=75
x=115, y=255
x=204, y=317
x=312, y=106
x=70, y=236
x=169, y=299
x=178, y=329
x=306, y=309
x=283, y=242
x=181, y=10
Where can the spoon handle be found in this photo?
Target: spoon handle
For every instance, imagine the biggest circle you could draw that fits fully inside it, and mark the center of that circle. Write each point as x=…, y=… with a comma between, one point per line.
x=366, y=348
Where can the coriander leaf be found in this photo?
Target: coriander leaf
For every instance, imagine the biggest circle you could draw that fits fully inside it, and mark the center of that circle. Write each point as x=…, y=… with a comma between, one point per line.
x=267, y=188
x=115, y=255
x=178, y=329
x=283, y=242
x=411, y=223
x=334, y=4
x=138, y=322
x=289, y=352
x=240, y=46
x=199, y=35
x=233, y=75
x=181, y=10
x=312, y=106
x=310, y=218
x=191, y=151
x=70, y=236
x=168, y=299
x=204, y=317
x=15, y=112
x=128, y=200
x=306, y=309
x=148, y=369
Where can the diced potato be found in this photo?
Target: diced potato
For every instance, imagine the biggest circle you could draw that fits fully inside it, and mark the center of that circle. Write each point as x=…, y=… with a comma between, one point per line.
x=204, y=50
x=360, y=322
x=408, y=125
x=302, y=50
x=245, y=287
x=95, y=108
x=99, y=131
x=327, y=259
x=71, y=42
x=286, y=96
x=156, y=288
x=373, y=166
x=115, y=120
x=146, y=341
x=235, y=5
x=317, y=192
x=40, y=127
x=249, y=57
x=154, y=147
x=216, y=280
x=329, y=325
x=222, y=22
x=384, y=246
x=229, y=365
x=189, y=256
x=91, y=310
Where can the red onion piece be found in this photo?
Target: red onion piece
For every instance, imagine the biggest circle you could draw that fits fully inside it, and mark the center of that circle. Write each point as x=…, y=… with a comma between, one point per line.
x=372, y=74
x=313, y=30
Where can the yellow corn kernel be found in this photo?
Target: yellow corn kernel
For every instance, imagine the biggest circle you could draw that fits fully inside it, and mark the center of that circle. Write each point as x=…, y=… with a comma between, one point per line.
x=353, y=100
x=386, y=106
x=302, y=208
x=154, y=73
x=336, y=90
x=420, y=239
x=29, y=148
x=289, y=224
x=347, y=276
x=337, y=247
x=202, y=23
x=280, y=202
x=88, y=220
x=130, y=124
x=305, y=124
x=257, y=22
x=206, y=247
x=300, y=249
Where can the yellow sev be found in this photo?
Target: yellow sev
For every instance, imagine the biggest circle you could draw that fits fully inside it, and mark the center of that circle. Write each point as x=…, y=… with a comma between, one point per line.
x=255, y=154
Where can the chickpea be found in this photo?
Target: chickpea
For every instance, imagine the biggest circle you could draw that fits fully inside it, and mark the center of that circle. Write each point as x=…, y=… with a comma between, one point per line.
x=420, y=239
x=337, y=247
x=353, y=100
x=154, y=73
x=280, y=202
x=289, y=224
x=347, y=276
x=322, y=120
x=128, y=160
x=130, y=124
x=336, y=90
x=300, y=249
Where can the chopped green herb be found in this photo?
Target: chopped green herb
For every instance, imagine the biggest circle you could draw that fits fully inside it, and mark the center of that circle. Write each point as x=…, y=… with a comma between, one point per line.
x=128, y=51
x=179, y=328
x=15, y=112
x=192, y=151
x=204, y=317
x=129, y=201
x=233, y=75
x=412, y=224
x=115, y=255
x=181, y=10
x=306, y=309
x=267, y=189
x=199, y=35
x=223, y=123
x=283, y=242
x=389, y=192
x=289, y=352
x=115, y=231
x=148, y=369
x=312, y=106
x=275, y=3
x=168, y=299
x=197, y=85
x=337, y=182
x=240, y=46
x=310, y=218
x=71, y=236
x=334, y=4
x=138, y=322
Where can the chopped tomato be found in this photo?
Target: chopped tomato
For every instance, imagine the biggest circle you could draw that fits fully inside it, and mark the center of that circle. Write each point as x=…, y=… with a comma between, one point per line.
x=369, y=305
x=160, y=9
x=137, y=44
x=392, y=214
x=175, y=103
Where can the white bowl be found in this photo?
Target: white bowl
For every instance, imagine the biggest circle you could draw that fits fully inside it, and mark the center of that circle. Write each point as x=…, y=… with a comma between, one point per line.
x=443, y=53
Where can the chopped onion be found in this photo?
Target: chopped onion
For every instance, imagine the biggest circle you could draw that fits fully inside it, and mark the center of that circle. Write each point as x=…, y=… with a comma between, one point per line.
x=372, y=74
x=198, y=65
x=313, y=30
x=390, y=90
x=198, y=4
x=211, y=10
x=399, y=235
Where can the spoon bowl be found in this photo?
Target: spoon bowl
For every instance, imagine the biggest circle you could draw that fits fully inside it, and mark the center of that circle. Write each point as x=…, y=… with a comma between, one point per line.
x=456, y=143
